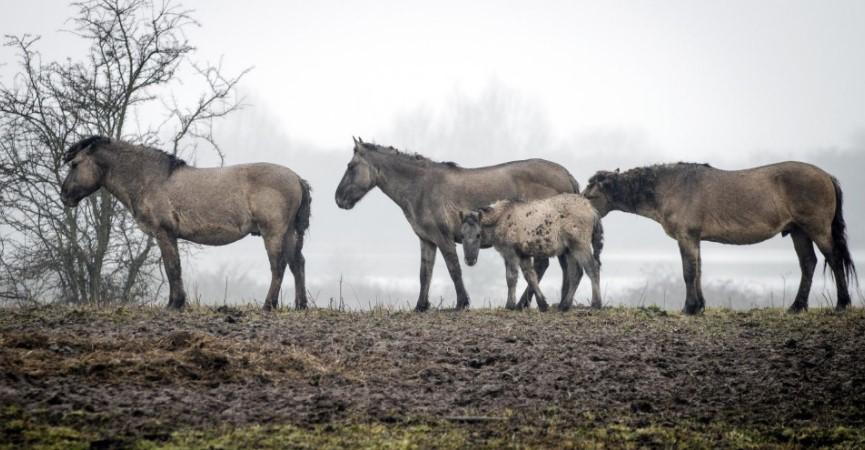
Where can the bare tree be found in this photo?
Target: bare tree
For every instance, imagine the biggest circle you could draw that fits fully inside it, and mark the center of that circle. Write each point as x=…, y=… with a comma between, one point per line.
x=94, y=253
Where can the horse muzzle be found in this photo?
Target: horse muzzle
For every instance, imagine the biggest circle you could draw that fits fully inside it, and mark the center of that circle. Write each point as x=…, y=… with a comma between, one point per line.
x=344, y=203
x=69, y=202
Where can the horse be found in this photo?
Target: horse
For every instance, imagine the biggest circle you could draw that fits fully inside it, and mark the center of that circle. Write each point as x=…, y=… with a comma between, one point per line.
x=171, y=200
x=431, y=195
x=565, y=224
x=697, y=202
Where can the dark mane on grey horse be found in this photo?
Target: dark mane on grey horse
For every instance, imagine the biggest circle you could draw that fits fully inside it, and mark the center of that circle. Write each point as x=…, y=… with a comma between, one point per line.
x=270, y=201
x=171, y=162
x=409, y=156
x=637, y=186
x=695, y=203
x=76, y=148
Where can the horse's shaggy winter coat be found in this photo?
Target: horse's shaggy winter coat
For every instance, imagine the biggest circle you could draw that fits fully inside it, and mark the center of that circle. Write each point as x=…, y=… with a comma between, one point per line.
x=214, y=206
x=696, y=202
x=432, y=194
x=563, y=225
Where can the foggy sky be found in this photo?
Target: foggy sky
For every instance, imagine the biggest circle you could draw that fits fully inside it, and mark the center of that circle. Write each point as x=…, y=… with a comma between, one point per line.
x=591, y=85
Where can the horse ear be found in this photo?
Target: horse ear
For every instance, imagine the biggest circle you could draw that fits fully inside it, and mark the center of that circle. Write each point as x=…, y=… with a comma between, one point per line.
x=462, y=216
x=617, y=170
x=359, y=140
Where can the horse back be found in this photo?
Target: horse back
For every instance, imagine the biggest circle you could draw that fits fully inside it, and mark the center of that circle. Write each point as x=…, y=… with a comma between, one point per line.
x=751, y=205
x=524, y=180
x=446, y=192
x=235, y=200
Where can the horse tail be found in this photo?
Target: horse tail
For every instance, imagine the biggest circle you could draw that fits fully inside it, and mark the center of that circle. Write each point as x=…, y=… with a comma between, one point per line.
x=574, y=183
x=840, y=251
x=301, y=219
x=597, y=239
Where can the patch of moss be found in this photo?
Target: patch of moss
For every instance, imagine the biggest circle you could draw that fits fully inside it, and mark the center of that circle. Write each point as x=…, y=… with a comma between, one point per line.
x=358, y=436
x=447, y=435
x=18, y=430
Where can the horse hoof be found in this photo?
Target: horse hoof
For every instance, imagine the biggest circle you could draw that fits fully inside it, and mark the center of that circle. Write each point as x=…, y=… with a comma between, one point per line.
x=563, y=307
x=543, y=308
x=421, y=307
x=796, y=308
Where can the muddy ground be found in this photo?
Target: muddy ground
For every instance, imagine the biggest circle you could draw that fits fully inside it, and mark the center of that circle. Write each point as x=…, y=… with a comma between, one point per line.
x=145, y=377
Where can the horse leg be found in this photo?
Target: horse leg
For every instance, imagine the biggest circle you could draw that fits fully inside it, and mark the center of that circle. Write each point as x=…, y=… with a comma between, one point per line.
x=275, y=244
x=532, y=279
x=573, y=277
x=826, y=247
x=568, y=277
x=698, y=280
x=690, y=251
x=807, y=262
x=572, y=266
x=171, y=261
x=427, y=260
x=452, y=260
x=511, y=272
x=593, y=270
x=541, y=265
x=297, y=264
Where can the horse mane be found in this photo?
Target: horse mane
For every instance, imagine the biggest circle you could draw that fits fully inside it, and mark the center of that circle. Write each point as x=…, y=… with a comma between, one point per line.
x=638, y=185
x=172, y=162
x=413, y=157
x=88, y=142
x=494, y=211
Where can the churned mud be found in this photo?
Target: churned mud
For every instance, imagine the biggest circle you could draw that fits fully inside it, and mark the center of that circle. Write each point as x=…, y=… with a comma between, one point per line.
x=118, y=377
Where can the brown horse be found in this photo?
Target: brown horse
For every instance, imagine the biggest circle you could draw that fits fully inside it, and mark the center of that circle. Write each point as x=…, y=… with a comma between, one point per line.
x=214, y=206
x=696, y=202
x=432, y=194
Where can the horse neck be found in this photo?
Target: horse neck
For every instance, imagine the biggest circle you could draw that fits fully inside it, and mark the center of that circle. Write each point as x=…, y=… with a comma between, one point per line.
x=397, y=178
x=644, y=207
x=490, y=221
x=128, y=175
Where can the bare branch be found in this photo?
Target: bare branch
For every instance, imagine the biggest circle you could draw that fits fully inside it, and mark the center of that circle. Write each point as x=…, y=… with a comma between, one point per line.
x=94, y=253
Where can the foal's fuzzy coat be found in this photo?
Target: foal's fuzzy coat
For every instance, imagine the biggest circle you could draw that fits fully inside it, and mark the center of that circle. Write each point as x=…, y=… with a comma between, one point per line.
x=565, y=224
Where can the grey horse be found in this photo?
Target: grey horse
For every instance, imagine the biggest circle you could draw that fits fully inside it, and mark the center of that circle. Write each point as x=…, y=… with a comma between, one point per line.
x=696, y=202
x=432, y=194
x=564, y=224
x=213, y=206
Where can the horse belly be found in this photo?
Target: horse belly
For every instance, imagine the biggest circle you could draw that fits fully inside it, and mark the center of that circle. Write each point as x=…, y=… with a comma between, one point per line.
x=539, y=238
x=745, y=229
x=213, y=229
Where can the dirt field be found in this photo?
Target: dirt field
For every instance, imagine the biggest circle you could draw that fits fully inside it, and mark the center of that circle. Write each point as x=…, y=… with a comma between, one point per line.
x=237, y=378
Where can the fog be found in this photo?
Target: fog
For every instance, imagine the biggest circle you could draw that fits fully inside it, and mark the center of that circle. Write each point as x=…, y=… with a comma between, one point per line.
x=590, y=85
x=373, y=250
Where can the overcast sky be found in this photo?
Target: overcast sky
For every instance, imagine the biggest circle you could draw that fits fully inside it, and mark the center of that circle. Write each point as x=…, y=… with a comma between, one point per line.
x=588, y=84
